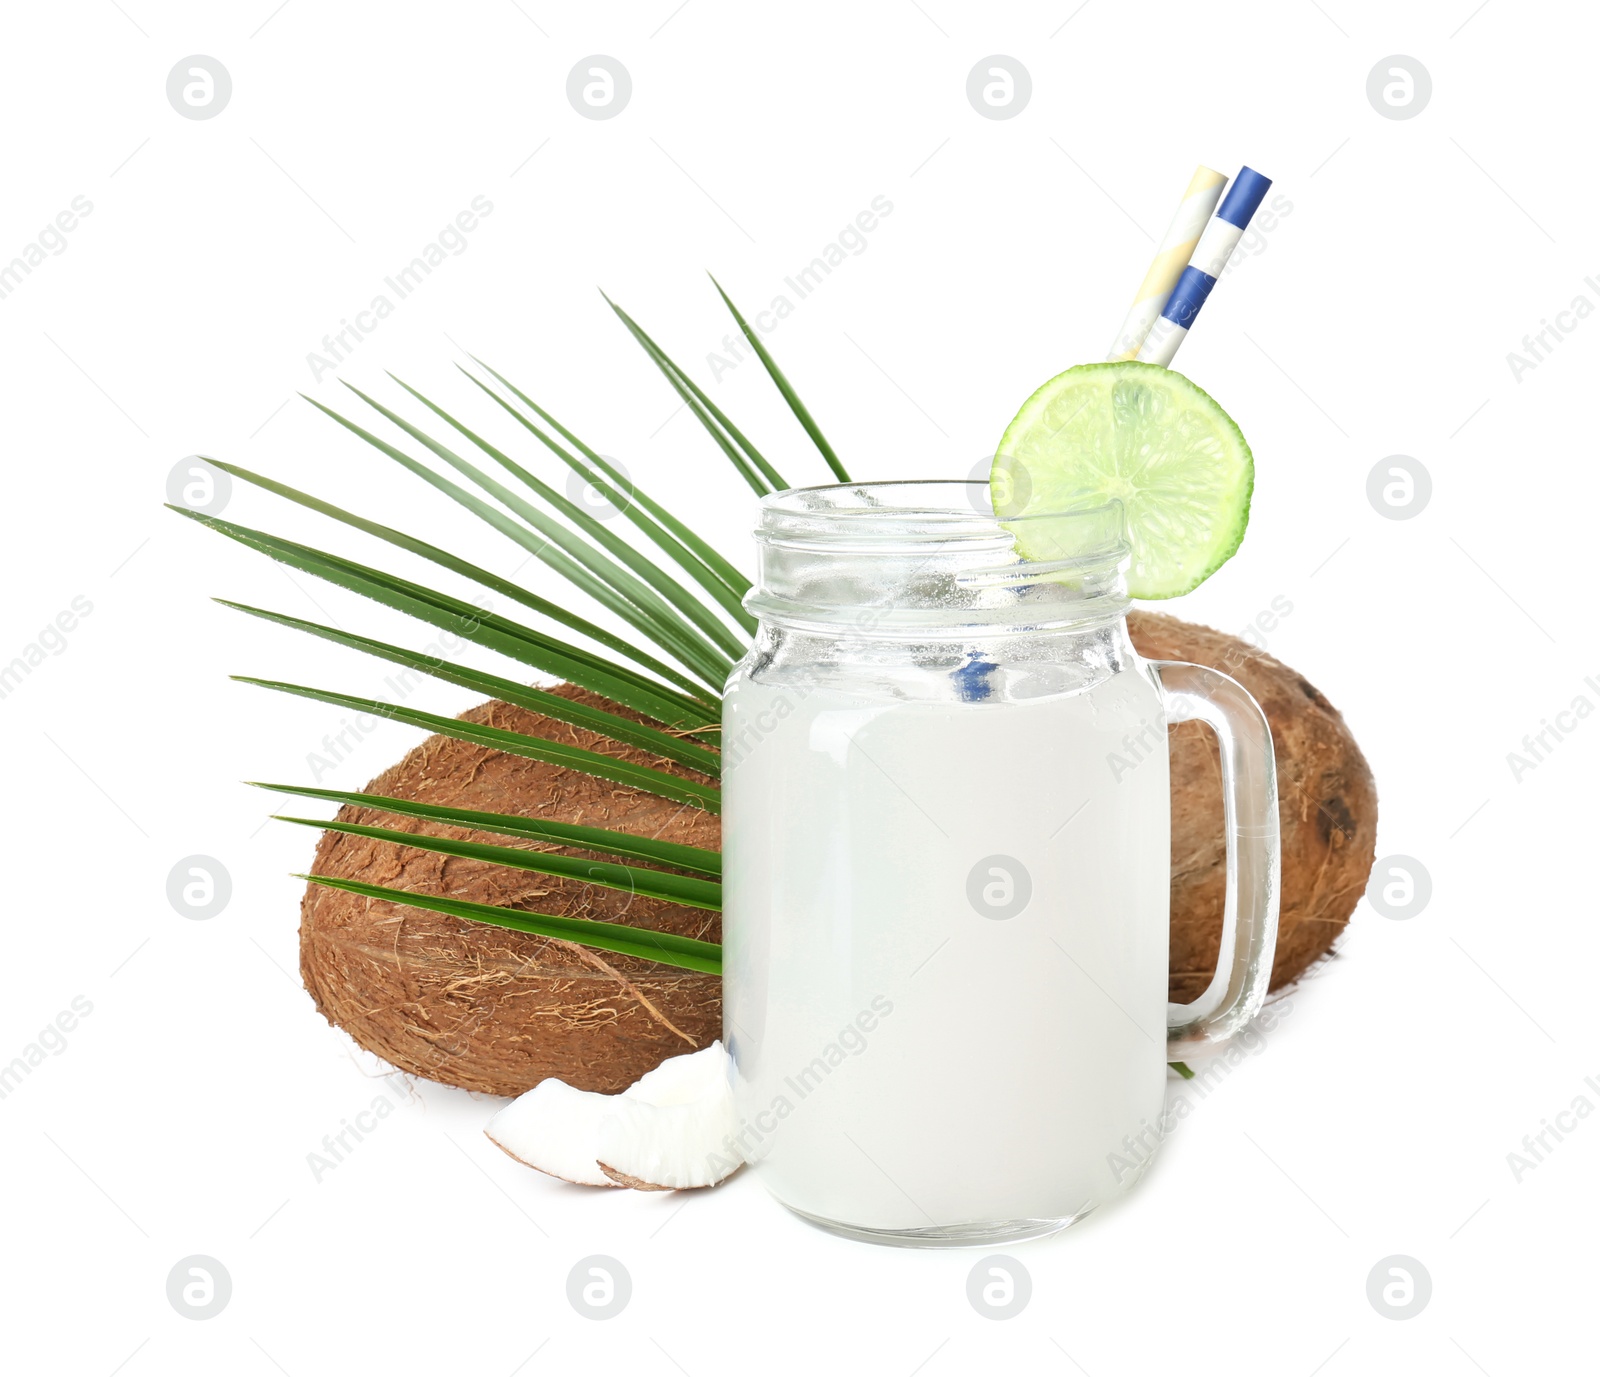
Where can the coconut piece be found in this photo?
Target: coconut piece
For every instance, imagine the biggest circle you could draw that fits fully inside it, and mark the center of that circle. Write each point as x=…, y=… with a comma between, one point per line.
x=668, y=1130
x=678, y=1133
x=554, y=1129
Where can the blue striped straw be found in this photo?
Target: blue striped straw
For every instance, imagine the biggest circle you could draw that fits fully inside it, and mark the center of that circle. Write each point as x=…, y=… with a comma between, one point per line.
x=1210, y=256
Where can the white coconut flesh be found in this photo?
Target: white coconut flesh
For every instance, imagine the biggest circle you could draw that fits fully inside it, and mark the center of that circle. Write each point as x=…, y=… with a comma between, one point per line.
x=555, y=1129
x=678, y=1133
x=671, y=1129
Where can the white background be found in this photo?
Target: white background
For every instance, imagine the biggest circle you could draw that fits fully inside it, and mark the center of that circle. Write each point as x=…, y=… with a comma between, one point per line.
x=1375, y=319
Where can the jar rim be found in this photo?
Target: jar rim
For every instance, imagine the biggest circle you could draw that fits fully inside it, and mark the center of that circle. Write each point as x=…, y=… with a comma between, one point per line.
x=946, y=512
x=870, y=498
x=927, y=548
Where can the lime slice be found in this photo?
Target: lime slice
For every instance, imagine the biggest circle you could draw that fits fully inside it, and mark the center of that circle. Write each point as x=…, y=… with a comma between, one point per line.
x=1147, y=437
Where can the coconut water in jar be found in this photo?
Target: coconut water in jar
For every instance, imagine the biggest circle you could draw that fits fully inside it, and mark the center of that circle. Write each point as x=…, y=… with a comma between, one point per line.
x=946, y=858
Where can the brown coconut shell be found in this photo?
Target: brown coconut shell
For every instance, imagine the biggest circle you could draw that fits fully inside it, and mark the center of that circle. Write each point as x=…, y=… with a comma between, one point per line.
x=492, y=1010
x=1327, y=810
x=485, y=1008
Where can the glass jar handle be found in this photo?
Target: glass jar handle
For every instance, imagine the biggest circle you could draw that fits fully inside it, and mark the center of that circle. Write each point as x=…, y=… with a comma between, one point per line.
x=1250, y=815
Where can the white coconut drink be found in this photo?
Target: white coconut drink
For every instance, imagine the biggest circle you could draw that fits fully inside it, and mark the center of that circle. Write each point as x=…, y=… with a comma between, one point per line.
x=946, y=839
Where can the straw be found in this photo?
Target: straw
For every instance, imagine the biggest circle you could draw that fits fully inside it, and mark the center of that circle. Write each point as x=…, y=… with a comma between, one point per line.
x=1176, y=246
x=1211, y=255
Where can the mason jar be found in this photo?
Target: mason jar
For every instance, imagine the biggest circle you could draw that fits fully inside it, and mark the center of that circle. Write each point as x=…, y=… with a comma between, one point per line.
x=946, y=833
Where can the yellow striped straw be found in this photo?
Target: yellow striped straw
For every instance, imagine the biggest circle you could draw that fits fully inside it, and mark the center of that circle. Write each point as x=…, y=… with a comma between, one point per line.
x=1205, y=190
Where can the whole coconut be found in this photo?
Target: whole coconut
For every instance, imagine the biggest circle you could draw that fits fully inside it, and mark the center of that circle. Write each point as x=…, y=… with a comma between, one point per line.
x=483, y=1007
x=1327, y=810
x=492, y=1010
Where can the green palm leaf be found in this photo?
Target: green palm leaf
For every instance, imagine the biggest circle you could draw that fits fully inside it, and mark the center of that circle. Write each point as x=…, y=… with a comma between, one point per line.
x=471, y=622
x=639, y=591
x=688, y=953
x=516, y=743
x=720, y=566
x=755, y=470
x=559, y=552
x=661, y=743
x=628, y=500
x=569, y=834
x=652, y=574
x=782, y=383
x=650, y=884
x=683, y=617
x=467, y=569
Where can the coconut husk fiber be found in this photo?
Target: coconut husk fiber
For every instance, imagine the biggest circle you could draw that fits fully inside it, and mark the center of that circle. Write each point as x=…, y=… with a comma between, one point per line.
x=485, y=1008
x=493, y=1010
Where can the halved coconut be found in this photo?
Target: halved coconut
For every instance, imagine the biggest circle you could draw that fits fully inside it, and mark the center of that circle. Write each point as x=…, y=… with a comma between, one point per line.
x=670, y=1129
